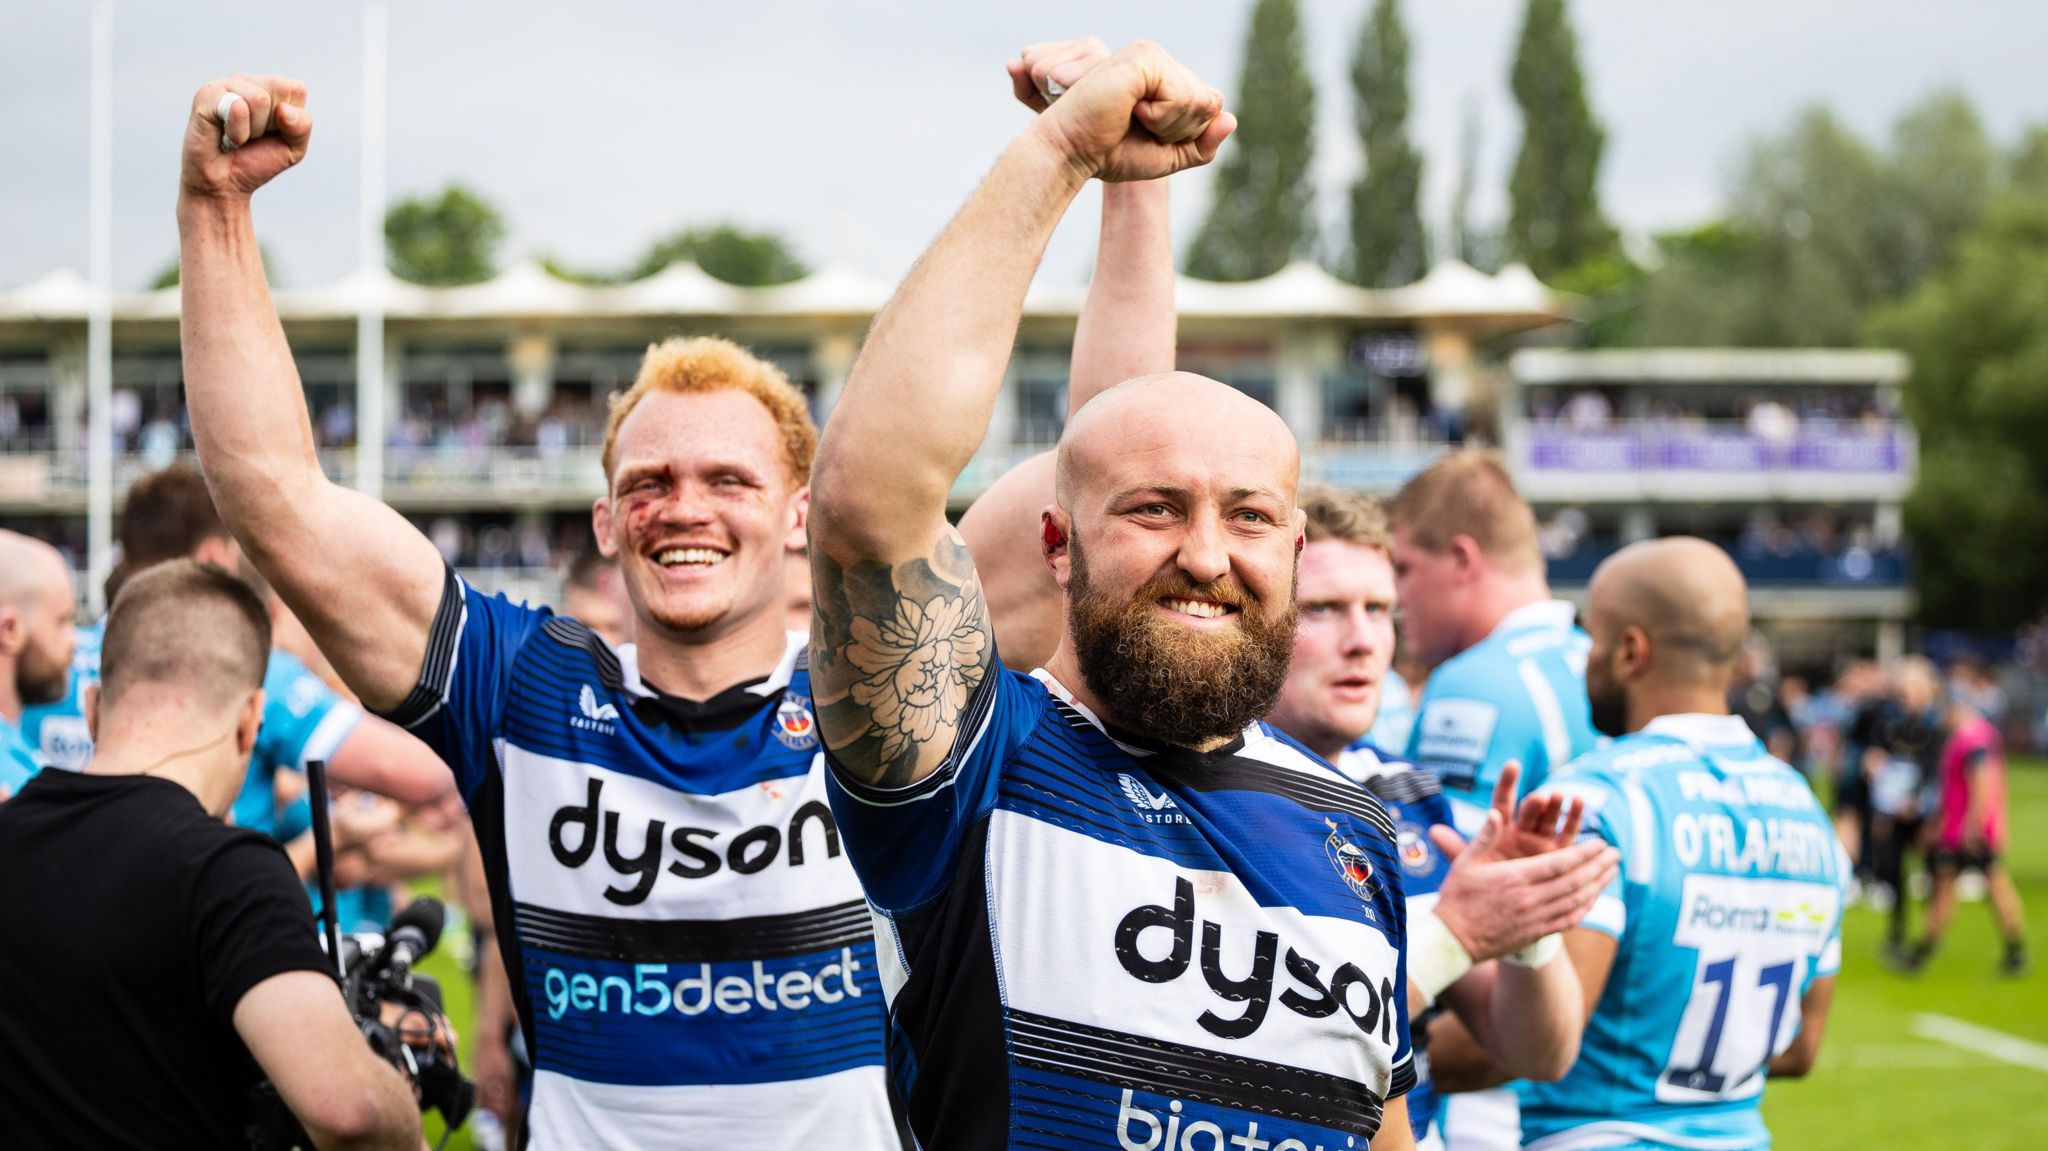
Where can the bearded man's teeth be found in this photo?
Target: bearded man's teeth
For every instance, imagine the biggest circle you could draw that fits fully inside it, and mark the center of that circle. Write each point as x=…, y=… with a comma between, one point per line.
x=679, y=556
x=1200, y=609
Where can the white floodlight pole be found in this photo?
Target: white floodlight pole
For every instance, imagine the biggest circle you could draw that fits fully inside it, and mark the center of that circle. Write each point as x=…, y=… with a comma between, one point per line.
x=99, y=324
x=370, y=313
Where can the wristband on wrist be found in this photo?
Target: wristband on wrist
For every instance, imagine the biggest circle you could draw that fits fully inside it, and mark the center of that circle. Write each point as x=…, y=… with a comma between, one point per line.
x=1435, y=957
x=1538, y=953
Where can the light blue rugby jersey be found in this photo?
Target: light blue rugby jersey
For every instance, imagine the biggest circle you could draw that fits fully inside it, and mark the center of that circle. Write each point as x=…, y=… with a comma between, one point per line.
x=692, y=958
x=303, y=720
x=57, y=730
x=1518, y=694
x=1093, y=942
x=1728, y=907
x=18, y=763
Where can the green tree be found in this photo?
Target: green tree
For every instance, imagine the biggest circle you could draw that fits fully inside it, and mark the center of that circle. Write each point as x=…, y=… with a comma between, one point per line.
x=1388, y=244
x=1940, y=176
x=1554, y=217
x=1477, y=246
x=1978, y=398
x=726, y=252
x=1260, y=214
x=451, y=238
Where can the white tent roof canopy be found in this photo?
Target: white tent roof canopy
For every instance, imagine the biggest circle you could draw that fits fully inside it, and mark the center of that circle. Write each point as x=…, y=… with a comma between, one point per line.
x=1452, y=291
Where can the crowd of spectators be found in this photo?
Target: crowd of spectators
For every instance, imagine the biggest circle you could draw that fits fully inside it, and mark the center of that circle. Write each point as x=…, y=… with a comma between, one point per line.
x=1777, y=416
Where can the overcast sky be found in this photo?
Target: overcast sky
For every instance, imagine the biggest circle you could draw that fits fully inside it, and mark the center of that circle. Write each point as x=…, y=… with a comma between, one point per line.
x=858, y=128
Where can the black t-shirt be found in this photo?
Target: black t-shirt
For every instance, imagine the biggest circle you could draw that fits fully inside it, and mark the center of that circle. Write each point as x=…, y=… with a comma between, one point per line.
x=131, y=924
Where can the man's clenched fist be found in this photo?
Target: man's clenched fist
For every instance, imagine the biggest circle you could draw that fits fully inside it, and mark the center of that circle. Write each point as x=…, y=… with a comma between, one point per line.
x=268, y=129
x=1138, y=115
x=1042, y=72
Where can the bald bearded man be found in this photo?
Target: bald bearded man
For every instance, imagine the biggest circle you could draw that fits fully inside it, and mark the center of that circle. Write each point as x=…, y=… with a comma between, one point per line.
x=1115, y=909
x=36, y=641
x=1726, y=919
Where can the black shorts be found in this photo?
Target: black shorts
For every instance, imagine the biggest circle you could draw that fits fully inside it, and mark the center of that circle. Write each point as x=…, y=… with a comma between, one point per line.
x=1962, y=858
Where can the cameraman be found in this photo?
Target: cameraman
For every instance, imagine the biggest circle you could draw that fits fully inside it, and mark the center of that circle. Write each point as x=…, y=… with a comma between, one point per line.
x=159, y=963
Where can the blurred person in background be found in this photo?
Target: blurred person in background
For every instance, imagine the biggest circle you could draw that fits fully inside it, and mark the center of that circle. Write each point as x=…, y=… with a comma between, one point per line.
x=1695, y=996
x=1970, y=683
x=1857, y=692
x=1971, y=837
x=1509, y=665
x=36, y=641
x=1900, y=735
x=595, y=593
x=1754, y=696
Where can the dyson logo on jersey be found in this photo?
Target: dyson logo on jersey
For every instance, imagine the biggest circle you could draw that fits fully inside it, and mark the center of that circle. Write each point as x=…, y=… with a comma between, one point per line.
x=698, y=850
x=700, y=990
x=1367, y=1002
x=1140, y=1130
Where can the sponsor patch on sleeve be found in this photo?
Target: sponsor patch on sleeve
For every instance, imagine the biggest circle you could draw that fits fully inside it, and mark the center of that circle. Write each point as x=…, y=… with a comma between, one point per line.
x=1455, y=730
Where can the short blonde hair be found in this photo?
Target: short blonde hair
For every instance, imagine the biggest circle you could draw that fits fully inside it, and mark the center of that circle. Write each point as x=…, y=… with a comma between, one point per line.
x=699, y=364
x=1469, y=493
x=1335, y=514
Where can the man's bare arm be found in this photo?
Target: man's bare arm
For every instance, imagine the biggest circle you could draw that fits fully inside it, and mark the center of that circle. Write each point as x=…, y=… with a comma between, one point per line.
x=1126, y=329
x=1796, y=1061
x=900, y=632
x=1456, y=1060
x=363, y=580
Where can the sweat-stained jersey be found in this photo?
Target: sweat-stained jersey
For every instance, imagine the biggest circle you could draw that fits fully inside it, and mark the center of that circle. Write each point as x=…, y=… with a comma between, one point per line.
x=1518, y=694
x=1091, y=942
x=1728, y=906
x=692, y=959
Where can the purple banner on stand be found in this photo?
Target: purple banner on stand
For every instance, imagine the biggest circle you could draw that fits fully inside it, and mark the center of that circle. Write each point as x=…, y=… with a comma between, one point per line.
x=1562, y=451
x=1680, y=449
x=1846, y=452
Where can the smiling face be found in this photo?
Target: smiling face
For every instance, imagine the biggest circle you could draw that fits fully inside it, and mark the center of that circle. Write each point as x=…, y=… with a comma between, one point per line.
x=1342, y=646
x=1177, y=502
x=702, y=507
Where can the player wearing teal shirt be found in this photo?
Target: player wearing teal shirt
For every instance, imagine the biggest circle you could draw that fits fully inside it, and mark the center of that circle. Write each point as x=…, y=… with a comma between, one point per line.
x=57, y=730
x=1519, y=694
x=18, y=764
x=1711, y=959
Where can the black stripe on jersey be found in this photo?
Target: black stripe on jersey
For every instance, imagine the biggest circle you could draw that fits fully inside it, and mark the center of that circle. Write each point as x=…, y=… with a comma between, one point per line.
x=694, y=940
x=1404, y=786
x=1119, y=1059
x=577, y=634
x=1243, y=773
x=438, y=666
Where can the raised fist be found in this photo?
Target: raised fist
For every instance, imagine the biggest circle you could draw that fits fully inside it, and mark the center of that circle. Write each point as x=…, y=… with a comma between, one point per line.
x=1138, y=115
x=1042, y=72
x=267, y=130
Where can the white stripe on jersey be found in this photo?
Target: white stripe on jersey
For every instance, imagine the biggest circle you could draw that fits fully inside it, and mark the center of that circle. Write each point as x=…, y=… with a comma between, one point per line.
x=547, y=812
x=1614, y=1133
x=1557, y=740
x=1643, y=867
x=837, y=1110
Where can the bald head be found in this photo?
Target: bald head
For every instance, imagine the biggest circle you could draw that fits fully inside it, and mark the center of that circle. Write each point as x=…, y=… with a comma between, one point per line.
x=184, y=635
x=1155, y=415
x=1685, y=594
x=30, y=571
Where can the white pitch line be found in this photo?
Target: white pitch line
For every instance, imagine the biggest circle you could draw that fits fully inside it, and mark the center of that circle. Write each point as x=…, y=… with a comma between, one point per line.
x=1983, y=1040
x=1898, y=1057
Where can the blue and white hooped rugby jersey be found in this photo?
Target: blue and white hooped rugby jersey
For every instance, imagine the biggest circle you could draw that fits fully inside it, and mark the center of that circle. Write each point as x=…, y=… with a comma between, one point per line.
x=1088, y=943
x=1518, y=694
x=1416, y=802
x=1728, y=907
x=693, y=961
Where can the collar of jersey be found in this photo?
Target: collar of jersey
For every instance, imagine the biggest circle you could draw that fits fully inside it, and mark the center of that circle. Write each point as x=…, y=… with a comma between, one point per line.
x=1702, y=730
x=792, y=648
x=1141, y=745
x=1547, y=614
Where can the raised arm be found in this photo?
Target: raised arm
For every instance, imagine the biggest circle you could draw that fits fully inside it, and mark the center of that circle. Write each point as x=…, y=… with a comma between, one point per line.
x=900, y=632
x=363, y=580
x=1126, y=329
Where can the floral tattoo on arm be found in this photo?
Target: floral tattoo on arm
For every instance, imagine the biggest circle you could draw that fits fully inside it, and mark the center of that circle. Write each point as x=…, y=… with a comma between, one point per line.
x=896, y=653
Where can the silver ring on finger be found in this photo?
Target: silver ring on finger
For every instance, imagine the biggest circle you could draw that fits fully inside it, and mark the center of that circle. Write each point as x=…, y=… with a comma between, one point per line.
x=1051, y=89
x=222, y=111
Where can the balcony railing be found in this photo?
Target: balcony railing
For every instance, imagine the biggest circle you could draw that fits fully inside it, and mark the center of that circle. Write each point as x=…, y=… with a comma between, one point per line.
x=1806, y=567
x=1717, y=447
x=459, y=474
